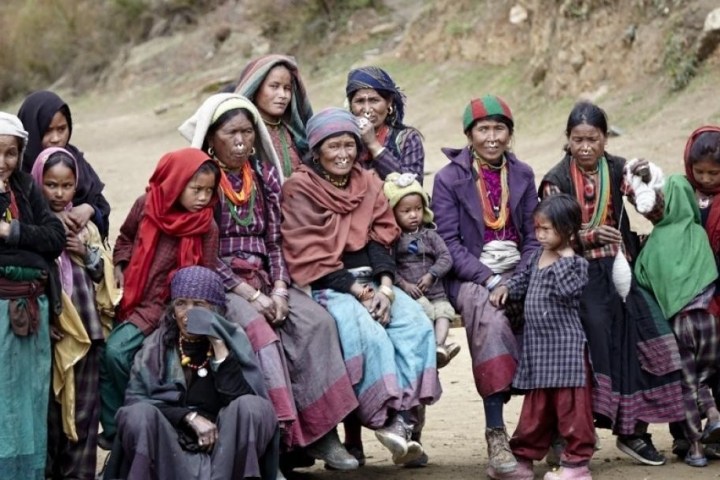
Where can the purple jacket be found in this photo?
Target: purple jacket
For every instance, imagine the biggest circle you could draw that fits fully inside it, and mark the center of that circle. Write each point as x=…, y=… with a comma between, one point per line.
x=459, y=219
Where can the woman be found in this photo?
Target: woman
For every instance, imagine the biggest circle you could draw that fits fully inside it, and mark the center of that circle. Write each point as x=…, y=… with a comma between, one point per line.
x=483, y=202
x=388, y=144
x=31, y=238
x=311, y=391
x=337, y=231
x=273, y=84
x=48, y=120
x=635, y=360
x=196, y=406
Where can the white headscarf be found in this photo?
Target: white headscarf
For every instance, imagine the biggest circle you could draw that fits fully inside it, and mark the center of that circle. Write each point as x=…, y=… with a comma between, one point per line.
x=11, y=125
x=195, y=128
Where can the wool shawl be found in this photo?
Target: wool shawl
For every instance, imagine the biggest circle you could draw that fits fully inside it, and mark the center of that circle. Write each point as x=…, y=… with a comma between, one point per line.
x=162, y=214
x=321, y=221
x=674, y=263
x=712, y=226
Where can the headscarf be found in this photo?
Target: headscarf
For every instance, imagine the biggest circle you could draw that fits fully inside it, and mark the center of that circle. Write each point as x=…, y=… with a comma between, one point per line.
x=484, y=107
x=674, y=263
x=198, y=283
x=378, y=79
x=36, y=113
x=161, y=215
x=195, y=128
x=300, y=111
x=331, y=121
x=65, y=267
x=712, y=225
x=11, y=125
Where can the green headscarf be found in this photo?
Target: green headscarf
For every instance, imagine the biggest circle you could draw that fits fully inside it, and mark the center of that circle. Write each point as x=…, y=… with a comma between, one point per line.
x=676, y=263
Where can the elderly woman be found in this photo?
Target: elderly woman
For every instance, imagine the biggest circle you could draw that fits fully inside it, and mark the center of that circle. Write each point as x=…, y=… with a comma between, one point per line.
x=635, y=360
x=295, y=339
x=273, y=84
x=31, y=239
x=48, y=120
x=196, y=406
x=483, y=202
x=388, y=144
x=337, y=232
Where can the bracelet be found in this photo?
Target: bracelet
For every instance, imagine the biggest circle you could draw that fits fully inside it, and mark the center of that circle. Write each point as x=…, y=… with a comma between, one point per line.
x=281, y=292
x=379, y=152
x=191, y=417
x=388, y=292
x=366, y=293
x=494, y=281
x=255, y=296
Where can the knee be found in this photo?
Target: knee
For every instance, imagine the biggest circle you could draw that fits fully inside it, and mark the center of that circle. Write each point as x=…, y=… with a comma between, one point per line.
x=135, y=418
x=254, y=410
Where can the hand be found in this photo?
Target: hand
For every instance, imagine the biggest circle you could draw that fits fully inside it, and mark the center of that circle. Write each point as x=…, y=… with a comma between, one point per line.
x=119, y=276
x=205, y=430
x=641, y=168
x=264, y=305
x=4, y=229
x=73, y=244
x=79, y=216
x=55, y=333
x=380, y=308
x=606, y=235
x=411, y=289
x=220, y=350
x=499, y=295
x=281, y=310
x=425, y=282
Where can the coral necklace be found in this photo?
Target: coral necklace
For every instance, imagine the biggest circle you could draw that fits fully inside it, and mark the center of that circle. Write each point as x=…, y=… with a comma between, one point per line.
x=246, y=194
x=585, y=192
x=186, y=361
x=495, y=216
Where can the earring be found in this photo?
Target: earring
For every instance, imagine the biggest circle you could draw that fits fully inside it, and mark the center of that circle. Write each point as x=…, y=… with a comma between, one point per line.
x=252, y=152
x=315, y=160
x=211, y=151
x=391, y=110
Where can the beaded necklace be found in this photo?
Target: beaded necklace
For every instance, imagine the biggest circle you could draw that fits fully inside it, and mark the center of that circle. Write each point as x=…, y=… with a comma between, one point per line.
x=585, y=194
x=186, y=361
x=339, y=183
x=244, y=222
x=241, y=197
x=494, y=216
x=287, y=163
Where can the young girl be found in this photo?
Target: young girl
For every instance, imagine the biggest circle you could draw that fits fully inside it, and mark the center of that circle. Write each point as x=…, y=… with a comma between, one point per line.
x=553, y=367
x=73, y=418
x=169, y=227
x=421, y=257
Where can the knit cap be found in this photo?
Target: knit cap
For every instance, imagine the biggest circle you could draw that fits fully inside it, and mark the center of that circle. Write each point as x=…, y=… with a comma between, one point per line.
x=198, y=283
x=399, y=185
x=11, y=125
x=480, y=108
x=329, y=122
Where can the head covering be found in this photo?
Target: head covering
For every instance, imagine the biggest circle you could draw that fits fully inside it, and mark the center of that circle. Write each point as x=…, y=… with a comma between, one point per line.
x=480, y=108
x=300, y=111
x=198, y=283
x=331, y=121
x=11, y=125
x=686, y=157
x=195, y=128
x=378, y=79
x=161, y=215
x=674, y=262
x=399, y=185
x=36, y=113
x=65, y=267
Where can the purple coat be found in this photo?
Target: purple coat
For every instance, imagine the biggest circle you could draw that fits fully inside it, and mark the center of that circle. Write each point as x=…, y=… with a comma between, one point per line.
x=459, y=218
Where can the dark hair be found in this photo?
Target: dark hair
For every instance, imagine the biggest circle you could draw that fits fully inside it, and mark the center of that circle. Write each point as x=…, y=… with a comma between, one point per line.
x=60, y=158
x=209, y=166
x=495, y=118
x=589, y=114
x=706, y=146
x=222, y=120
x=564, y=213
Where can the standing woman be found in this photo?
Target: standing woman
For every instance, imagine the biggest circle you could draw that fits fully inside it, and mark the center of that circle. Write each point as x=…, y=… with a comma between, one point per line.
x=48, y=120
x=483, y=202
x=635, y=360
x=273, y=84
x=295, y=339
x=389, y=145
x=31, y=238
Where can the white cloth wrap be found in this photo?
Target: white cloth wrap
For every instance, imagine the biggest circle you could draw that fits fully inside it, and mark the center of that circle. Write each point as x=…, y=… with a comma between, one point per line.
x=500, y=256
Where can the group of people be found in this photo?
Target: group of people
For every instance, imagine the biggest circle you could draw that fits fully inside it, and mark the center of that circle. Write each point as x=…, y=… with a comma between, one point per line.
x=286, y=272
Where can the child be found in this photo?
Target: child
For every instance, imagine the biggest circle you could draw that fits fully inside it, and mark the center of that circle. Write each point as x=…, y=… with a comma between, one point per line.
x=422, y=258
x=73, y=418
x=169, y=227
x=553, y=368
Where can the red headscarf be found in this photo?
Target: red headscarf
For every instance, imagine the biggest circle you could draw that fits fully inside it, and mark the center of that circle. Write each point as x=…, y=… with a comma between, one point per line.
x=713, y=222
x=162, y=214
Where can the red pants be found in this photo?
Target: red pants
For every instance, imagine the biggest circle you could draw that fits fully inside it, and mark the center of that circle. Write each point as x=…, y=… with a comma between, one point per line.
x=566, y=412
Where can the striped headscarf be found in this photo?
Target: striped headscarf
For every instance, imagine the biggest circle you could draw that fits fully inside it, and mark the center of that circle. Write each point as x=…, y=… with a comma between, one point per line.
x=331, y=121
x=378, y=79
x=300, y=111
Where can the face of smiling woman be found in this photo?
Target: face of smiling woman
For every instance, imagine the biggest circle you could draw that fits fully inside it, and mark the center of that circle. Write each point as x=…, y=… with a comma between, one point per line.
x=490, y=139
x=337, y=154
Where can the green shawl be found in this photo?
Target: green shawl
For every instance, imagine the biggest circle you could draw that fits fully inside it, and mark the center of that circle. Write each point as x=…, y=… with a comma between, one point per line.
x=676, y=263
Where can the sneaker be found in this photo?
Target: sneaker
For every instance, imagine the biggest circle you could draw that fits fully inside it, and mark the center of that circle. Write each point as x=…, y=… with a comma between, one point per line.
x=414, y=452
x=445, y=353
x=523, y=471
x=329, y=449
x=641, y=448
x=567, y=473
x=500, y=456
x=711, y=434
x=712, y=451
x=423, y=459
x=700, y=461
x=354, y=450
x=396, y=438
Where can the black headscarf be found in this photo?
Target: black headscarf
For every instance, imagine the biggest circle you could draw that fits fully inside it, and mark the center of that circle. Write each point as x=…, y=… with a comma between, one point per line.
x=36, y=113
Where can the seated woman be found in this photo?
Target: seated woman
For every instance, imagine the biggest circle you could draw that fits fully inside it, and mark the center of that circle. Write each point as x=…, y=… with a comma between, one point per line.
x=31, y=239
x=295, y=339
x=337, y=231
x=196, y=406
x=273, y=84
x=388, y=144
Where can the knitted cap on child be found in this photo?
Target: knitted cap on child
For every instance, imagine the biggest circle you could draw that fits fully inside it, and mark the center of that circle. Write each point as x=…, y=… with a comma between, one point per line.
x=198, y=283
x=399, y=185
x=480, y=108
